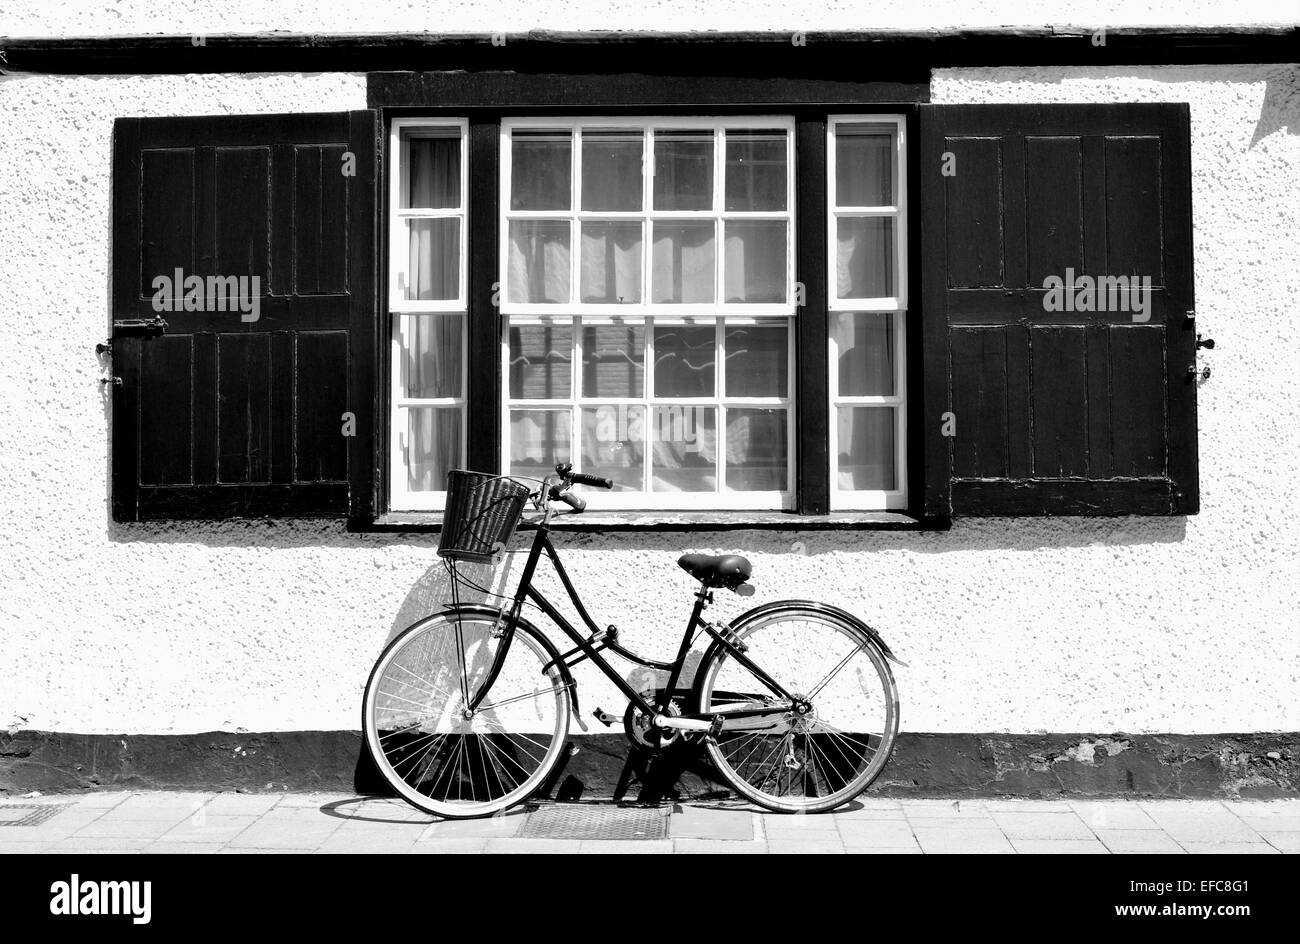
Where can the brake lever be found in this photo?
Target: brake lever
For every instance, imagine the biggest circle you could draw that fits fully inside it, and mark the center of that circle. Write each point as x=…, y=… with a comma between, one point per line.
x=573, y=501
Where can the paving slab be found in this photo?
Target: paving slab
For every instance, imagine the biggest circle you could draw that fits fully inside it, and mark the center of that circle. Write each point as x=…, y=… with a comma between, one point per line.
x=877, y=833
x=450, y=847
x=621, y=847
x=1061, y=824
x=718, y=847
x=1059, y=847
x=548, y=846
x=1200, y=823
x=1113, y=814
x=207, y=829
x=942, y=841
x=696, y=822
x=1147, y=841
x=1282, y=841
x=1229, y=848
x=806, y=844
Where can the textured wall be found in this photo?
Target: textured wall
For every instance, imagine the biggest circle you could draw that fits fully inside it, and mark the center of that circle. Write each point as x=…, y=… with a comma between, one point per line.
x=130, y=17
x=1023, y=626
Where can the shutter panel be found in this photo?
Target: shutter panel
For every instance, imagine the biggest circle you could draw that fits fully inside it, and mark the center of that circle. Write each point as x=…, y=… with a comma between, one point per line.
x=1060, y=412
x=223, y=414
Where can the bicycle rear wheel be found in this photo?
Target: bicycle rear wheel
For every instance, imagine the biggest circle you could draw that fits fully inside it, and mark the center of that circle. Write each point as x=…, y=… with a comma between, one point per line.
x=434, y=753
x=792, y=761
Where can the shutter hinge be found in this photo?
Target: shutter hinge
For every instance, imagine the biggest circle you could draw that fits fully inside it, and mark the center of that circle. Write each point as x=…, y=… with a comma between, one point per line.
x=142, y=326
x=1194, y=374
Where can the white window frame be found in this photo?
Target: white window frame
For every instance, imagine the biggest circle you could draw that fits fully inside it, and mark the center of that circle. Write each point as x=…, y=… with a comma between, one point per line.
x=400, y=496
x=896, y=306
x=720, y=313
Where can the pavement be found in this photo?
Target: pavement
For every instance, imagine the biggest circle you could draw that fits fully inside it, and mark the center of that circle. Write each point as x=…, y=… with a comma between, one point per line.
x=237, y=823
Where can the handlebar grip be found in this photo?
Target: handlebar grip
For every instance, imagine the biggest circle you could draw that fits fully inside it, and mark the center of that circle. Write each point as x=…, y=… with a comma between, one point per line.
x=582, y=478
x=574, y=502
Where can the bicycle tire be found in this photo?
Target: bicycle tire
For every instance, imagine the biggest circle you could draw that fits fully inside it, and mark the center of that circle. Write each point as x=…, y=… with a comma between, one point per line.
x=499, y=759
x=753, y=766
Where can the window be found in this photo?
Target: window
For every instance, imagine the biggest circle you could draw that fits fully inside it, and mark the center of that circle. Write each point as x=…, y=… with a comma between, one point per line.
x=649, y=307
x=867, y=270
x=648, y=297
x=426, y=300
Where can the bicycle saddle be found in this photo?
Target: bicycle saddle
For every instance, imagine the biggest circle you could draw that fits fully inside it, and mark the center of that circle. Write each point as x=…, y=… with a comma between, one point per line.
x=727, y=570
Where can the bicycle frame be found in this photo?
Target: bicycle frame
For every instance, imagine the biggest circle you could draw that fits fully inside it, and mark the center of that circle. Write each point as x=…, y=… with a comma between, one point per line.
x=590, y=647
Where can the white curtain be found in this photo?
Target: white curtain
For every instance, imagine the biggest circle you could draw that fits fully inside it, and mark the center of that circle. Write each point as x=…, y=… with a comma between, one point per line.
x=432, y=446
x=538, y=264
x=433, y=271
x=864, y=254
x=434, y=174
x=683, y=264
x=754, y=262
x=611, y=262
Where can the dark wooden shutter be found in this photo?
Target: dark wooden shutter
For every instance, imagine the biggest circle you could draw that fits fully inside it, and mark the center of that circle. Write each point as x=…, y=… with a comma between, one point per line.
x=1063, y=413
x=217, y=417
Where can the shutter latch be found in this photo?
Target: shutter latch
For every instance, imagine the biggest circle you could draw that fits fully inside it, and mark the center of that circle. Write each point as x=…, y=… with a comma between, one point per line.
x=147, y=327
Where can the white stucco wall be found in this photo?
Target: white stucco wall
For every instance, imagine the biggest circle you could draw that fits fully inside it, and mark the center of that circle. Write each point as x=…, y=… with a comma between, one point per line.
x=1134, y=625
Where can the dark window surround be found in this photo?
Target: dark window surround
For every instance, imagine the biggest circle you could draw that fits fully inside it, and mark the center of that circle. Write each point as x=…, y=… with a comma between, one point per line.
x=486, y=98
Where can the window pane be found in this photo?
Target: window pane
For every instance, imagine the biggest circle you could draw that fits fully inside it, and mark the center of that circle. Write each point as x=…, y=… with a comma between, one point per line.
x=431, y=367
x=866, y=354
x=683, y=170
x=433, y=172
x=541, y=360
x=684, y=449
x=540, y=170
x=684, y=359
x=432, y=447
x=433, y=269
x=611, y=170
x=864, y=252
x=756, y=170
x=539, y=440
x=611, y=262
x=755, y=267
x=683, y=264
x=613, y=361
x=864, y=166
x=613, y=444
x=756, y=450
x=538, y=267
x=866, y=448
x=757, y=362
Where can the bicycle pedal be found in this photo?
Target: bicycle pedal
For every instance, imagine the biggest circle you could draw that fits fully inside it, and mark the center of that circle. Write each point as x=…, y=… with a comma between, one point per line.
x=607, y=720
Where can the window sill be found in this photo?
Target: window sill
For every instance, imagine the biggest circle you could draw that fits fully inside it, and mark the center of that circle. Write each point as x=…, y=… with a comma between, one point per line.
x=431, y=521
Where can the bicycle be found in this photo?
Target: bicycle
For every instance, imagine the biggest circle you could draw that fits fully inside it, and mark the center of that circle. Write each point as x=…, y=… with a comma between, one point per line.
x=466, y=712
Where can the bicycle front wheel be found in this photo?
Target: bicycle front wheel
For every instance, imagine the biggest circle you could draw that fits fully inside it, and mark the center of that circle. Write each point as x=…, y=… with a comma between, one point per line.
x=825, y=745
x=437, y=754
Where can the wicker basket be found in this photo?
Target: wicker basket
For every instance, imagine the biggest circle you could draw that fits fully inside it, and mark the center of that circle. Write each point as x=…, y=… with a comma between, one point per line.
x=481, y=515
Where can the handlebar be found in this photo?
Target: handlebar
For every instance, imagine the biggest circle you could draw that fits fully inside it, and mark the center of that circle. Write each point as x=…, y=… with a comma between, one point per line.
x=559, y=490
x=582, y=478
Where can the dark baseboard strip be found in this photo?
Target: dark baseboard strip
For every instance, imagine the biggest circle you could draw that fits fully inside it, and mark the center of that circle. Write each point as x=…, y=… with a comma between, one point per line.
x=1249, y=766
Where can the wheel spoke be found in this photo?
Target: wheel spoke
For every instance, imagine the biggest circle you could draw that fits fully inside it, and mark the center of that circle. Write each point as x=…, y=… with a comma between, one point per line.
x=814, y=765
x=436, y=756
